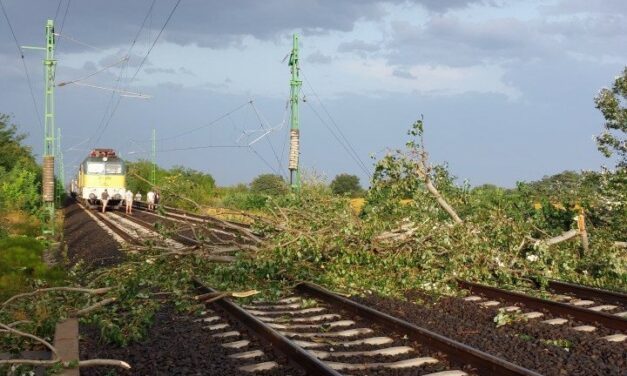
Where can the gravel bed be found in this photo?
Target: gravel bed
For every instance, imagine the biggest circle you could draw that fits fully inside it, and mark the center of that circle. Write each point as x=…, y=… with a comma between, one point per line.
x=86, y=241
x=177, y=345
x=527, y=344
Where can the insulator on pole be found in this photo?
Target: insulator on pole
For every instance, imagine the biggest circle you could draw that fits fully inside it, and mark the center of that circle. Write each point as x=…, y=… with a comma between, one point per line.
x=294, y=149
x=48, y=179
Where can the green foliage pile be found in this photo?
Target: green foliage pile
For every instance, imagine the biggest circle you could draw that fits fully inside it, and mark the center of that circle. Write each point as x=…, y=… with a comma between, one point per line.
x=346, y=184
x=317, y=236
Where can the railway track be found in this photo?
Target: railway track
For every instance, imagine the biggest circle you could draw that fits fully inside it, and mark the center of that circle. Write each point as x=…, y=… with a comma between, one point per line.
x=564, y=307
x=321, y=333
x=327, y=334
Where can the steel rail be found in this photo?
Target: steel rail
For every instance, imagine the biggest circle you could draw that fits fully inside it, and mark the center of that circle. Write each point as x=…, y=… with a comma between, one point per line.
x=587, y=292
x=556, y=308
x=113, y=227
x=142, y=205
x=296, y=354
x=485, y=363
x=150, y=226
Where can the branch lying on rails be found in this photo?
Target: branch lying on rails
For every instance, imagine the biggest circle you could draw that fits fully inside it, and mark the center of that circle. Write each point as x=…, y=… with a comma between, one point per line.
x=557, y=239
x=213, y=296
x=7, y=328
x=99, y=291
x=103, y=362
x=94, y=307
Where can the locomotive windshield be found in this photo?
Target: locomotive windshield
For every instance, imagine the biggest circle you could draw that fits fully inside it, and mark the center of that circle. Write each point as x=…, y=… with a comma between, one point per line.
x=107, y=168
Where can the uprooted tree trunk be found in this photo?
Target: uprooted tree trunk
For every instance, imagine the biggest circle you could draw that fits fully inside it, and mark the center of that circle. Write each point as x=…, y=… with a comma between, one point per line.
x=423, y=169
x=424, y=172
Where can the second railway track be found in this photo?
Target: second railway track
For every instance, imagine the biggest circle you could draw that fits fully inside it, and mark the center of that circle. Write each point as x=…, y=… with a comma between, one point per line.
x=327, y=334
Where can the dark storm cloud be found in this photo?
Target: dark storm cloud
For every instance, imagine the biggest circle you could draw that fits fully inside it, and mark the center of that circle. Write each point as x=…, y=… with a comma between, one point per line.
x=451, y=40
x=207, y=23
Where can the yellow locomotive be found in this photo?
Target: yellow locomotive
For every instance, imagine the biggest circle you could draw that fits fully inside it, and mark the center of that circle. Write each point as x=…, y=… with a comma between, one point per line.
x=102, y=169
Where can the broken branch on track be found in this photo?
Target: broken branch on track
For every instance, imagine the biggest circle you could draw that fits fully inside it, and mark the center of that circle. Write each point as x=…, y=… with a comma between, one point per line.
x=98, y=291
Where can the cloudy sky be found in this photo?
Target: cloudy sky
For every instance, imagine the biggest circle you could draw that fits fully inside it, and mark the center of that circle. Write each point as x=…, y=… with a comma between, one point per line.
x=506, y=87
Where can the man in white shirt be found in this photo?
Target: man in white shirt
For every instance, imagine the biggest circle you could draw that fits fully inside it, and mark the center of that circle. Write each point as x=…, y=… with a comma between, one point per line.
x=150, y=199
x=128, y=199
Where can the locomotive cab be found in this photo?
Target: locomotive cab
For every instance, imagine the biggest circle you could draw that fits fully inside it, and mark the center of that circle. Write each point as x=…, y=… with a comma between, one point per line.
x=101, y=170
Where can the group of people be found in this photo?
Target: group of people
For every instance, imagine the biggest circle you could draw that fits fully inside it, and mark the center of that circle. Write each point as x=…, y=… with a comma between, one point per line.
x=152, y=199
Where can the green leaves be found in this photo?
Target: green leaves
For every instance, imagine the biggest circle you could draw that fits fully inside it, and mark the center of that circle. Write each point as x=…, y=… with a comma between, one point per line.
x=611, y=103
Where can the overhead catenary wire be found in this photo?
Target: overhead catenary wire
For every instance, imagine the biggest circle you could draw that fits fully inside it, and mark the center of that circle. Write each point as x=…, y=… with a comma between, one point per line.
x=72, y=39
x=56, y=14
x=276, y=156
x=351, y=150
x=210, y=123
x=125, y=58
x=360, y=165
x=123, y=93
x=67, y=8
x=142, y=61
x=103, y=121
x=155, y=41
x=203, y=147
x=26, y=73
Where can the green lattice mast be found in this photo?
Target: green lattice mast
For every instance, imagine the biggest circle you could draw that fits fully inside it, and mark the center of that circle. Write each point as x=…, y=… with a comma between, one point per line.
x=48, y=193
x=49, y=128
x=295, y=84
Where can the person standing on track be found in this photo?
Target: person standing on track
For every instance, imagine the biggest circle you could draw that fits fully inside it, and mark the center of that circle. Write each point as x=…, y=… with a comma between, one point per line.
x=150, y=199
x=157, y=199
x=129, y=202
x=104, y=197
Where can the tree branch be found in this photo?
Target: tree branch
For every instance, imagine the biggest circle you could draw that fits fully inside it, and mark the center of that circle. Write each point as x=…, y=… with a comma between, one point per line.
x=99, y=291
x=94, y=307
